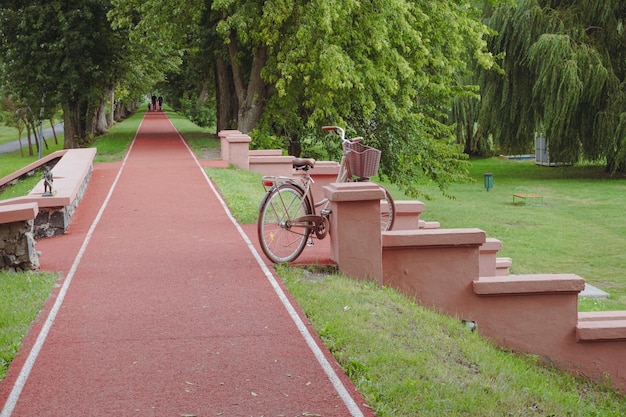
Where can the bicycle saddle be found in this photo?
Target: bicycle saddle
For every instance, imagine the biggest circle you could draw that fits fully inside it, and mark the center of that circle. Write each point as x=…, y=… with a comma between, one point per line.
x=303, y=162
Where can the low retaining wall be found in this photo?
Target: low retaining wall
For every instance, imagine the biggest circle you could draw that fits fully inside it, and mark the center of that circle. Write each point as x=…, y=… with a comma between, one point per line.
x=23, y=219
x=458, y=272
x=17, y=242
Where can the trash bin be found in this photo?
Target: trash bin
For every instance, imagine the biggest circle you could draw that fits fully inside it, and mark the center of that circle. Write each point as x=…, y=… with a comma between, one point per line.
x=488, y=181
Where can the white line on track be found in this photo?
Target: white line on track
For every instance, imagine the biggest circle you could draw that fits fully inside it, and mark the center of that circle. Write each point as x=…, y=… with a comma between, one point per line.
x=347, y=399
x=21, y=379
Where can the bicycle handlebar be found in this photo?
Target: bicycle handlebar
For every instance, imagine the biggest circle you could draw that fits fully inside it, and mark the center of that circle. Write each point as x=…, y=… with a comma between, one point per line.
x=339, y=131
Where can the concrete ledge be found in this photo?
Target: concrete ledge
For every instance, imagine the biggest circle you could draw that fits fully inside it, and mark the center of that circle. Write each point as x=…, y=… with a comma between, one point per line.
x=488, y=261
x=433, y=238
x=265, y=152
x=51, y=158
x=325, y=168
x=223, y=134
x=529, y=284
x=68, y=176
x=407, y=214
x=601, y=326
x=503, y=266
x=18, y=212
x=353, y=191
x=429, y=225
x=323, y=174
x=271, y=164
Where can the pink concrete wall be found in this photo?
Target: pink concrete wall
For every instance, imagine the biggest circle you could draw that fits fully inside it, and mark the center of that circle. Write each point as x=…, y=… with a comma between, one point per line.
x=458, y=272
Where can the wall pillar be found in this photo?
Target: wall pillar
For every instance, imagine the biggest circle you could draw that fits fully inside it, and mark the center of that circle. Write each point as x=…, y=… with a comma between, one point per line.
x=355, y=236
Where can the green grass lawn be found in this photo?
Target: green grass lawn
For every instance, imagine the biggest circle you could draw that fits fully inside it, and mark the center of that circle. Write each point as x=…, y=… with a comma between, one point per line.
x=580, y=228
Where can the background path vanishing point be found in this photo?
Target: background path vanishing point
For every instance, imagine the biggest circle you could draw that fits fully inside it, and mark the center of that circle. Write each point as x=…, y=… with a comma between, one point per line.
x=166, y=309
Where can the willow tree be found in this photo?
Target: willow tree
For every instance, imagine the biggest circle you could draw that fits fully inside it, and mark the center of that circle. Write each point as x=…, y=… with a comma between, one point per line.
x=564, y=76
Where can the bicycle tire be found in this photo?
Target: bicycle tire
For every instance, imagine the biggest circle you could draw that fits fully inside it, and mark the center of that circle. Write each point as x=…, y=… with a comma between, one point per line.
x=279, y=241
x=387, y=211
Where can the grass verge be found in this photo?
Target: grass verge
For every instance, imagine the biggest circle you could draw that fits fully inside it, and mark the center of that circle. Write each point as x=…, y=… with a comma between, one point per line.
x=21, y=298
x=409, y=361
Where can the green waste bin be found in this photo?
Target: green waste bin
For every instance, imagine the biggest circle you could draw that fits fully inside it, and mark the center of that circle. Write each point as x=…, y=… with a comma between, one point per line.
x=488, y=181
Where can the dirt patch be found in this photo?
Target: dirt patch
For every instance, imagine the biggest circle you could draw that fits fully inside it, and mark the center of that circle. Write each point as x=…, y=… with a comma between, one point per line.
x=210, y=153
x=318, y=272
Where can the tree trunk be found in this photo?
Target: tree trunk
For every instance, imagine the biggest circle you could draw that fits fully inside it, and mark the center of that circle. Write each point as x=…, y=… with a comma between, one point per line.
x=97, y=118
x=30, y=142
x=110, y=118
x=74, y=114
x=250, y=98
x=225, y=96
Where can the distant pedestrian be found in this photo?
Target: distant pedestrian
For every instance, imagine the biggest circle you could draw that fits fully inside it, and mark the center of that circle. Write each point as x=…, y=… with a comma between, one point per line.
x=154, y=103
x=161, y=103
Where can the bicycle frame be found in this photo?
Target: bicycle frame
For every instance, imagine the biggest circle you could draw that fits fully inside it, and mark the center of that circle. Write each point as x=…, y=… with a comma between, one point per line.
x=313, y=222
x=289, y=216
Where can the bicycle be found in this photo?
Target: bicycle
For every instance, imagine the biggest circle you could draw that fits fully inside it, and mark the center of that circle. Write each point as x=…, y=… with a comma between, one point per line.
x=288, y=218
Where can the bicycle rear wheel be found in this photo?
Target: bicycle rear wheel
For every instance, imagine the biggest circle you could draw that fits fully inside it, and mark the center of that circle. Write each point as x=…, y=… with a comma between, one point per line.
x=280, y=240
x=387, y=211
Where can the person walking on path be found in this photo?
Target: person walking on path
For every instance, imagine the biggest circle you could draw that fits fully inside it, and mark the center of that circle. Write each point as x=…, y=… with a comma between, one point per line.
x=166, y=309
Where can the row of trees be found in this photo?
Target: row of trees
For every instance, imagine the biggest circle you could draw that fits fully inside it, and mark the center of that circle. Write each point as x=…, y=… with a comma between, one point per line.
x=281, y=69
x=422, y=81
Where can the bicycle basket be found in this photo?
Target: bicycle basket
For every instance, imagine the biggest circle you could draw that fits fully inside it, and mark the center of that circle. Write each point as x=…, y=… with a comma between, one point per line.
x=363, y=159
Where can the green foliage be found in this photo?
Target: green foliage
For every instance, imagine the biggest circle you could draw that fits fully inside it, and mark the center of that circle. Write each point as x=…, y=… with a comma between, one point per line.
x=385, y=70
x=564, y=77
x=61, y=53
x=265, y=140
x=198, y=111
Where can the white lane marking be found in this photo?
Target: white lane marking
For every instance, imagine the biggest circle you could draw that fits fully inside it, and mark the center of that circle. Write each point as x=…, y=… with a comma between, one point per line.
x=21, y=379
x=350, y=403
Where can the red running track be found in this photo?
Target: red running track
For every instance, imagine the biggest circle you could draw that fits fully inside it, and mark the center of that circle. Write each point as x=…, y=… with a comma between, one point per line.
x=166, y=309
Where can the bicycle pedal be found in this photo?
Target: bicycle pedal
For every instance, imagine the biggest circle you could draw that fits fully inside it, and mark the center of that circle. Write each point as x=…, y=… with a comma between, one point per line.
x=325, y=212
x=310, y=242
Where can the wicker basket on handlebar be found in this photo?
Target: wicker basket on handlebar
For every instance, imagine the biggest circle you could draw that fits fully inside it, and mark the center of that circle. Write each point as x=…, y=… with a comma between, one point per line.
x=363, y=159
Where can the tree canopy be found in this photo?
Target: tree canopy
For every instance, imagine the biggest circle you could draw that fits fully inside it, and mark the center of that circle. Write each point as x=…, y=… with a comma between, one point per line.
x=385, y=69
x=61, y=52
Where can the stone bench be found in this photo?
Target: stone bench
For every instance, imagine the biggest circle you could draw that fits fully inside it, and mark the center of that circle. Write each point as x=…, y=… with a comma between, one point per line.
x=71, y=175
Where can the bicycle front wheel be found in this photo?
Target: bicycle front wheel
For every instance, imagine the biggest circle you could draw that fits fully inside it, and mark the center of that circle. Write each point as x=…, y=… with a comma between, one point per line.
x=281, y=240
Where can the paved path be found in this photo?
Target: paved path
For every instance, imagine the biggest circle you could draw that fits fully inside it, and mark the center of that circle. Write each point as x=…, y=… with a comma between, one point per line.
x=166, y=309
x=13, y=146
